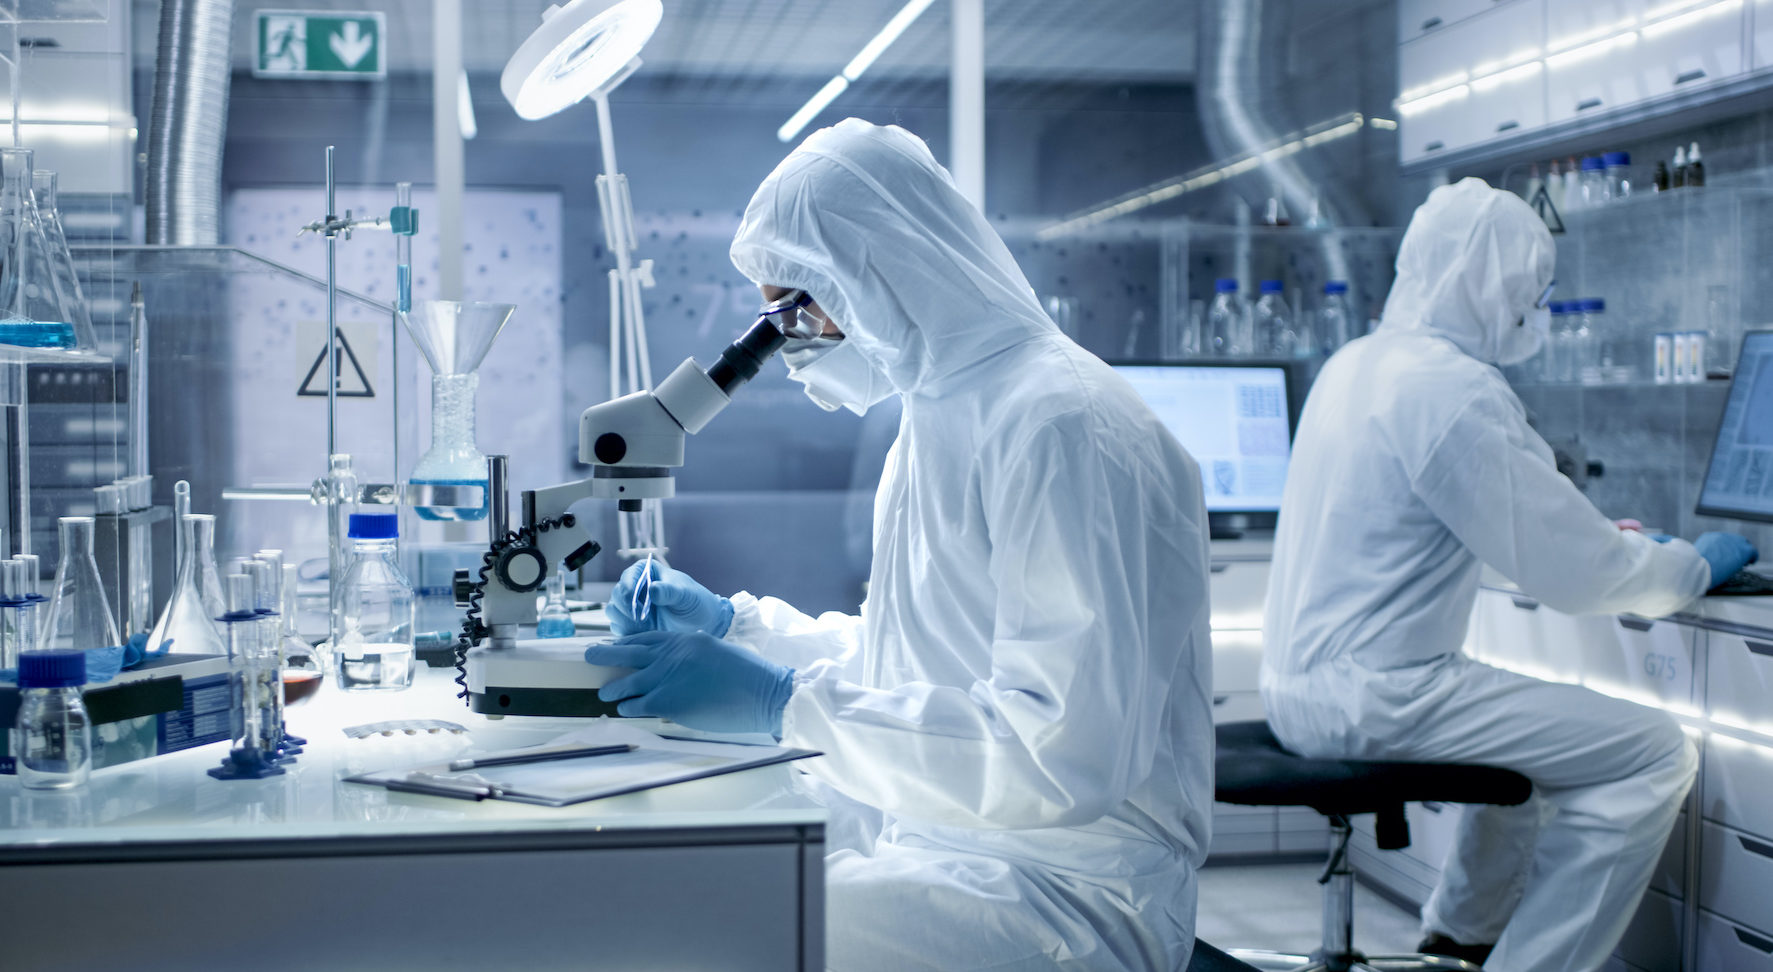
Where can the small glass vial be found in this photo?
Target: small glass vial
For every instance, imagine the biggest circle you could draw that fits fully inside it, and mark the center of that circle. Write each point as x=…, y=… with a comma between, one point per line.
x=52, y=740
x=555, y=620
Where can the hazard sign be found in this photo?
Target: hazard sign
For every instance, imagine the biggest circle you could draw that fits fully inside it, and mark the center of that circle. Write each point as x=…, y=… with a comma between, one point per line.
x=352, y=364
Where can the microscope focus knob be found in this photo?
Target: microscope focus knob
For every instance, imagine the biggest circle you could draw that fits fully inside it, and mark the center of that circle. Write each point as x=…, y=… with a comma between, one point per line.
x=463, y=586
x=522, y=568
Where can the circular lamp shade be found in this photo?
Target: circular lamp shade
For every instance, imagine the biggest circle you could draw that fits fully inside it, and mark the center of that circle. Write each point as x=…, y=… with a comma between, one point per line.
x=578, y=48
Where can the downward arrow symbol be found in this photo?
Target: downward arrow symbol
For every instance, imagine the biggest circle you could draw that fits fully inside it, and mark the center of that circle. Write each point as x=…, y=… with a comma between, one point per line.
x=349, y=44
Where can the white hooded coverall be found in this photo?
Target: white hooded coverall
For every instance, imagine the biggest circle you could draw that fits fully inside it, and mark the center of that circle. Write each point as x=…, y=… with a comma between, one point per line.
x=1414, y=465
x=1017, y=729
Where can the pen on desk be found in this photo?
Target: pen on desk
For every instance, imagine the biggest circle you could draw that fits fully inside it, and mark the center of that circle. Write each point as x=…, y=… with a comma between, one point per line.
x=539, y=756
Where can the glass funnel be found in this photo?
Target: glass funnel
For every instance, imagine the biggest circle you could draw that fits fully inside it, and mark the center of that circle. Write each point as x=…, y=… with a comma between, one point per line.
x=187, y=625
x=79, y=616
x=33, y=313
x=454, y=337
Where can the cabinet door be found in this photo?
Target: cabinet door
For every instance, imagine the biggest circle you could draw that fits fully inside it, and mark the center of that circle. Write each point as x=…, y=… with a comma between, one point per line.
x=1735, y=870
x=1509, y=627
x=1653, y=939
x=1421, y=18
x=1468, y=83
x=1237, y=661
x=1646, y=661
x=1738, y=789
x=1739, y=679
x=1763, y=39
x=1238, y=589
x=1726, y=946
x=1672, y=53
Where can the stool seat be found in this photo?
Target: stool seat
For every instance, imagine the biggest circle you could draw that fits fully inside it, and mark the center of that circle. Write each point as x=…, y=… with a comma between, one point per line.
x=1255, y=770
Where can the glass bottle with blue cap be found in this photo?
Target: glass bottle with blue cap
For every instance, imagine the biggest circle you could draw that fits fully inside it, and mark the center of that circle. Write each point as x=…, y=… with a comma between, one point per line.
x=53, y=736
x=375, y=649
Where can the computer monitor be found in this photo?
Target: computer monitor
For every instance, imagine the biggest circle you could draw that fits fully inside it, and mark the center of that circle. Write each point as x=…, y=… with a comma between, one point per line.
x=1235, y=418
x=1739, y=480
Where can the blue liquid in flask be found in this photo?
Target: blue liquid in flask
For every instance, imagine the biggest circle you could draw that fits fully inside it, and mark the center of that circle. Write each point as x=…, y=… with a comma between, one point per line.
x=37, y=334
x=452, y=513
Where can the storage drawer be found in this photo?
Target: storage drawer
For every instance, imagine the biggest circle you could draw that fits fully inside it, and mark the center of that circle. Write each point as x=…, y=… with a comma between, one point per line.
x=1648, y=661
x=1670, y=876
x=1238, y=589
x=1653, y=939
x=1509, y=628
x=1433, y=827
x=1735, y=871
x=1726, y=947
x=1237, y=661
x=1236, y=707
x=1738, y=789
x=1739, y=678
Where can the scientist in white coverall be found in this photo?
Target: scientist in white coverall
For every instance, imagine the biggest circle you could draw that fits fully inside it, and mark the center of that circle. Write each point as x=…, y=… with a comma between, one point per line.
x=1414, y=466
x=1017, y=728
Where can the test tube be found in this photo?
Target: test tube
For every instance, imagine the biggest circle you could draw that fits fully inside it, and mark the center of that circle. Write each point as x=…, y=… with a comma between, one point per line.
x=403, y=249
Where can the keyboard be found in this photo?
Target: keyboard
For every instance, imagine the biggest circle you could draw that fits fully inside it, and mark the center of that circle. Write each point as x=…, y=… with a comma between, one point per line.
x=1744, y=582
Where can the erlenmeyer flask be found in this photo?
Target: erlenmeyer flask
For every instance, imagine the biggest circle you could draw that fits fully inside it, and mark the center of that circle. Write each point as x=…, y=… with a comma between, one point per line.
x=79, y=616
x=61, y=259
x=454, y=337
x=187, y=625
x=209, y=580
x=30, y=312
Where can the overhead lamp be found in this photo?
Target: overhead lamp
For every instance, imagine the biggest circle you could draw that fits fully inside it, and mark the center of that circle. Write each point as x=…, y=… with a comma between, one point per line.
x=576, y=52
x=863, y=60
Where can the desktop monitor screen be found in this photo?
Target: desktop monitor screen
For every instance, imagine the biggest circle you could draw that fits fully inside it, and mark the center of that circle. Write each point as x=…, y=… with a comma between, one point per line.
x=1739, y=481
x=1235, y=420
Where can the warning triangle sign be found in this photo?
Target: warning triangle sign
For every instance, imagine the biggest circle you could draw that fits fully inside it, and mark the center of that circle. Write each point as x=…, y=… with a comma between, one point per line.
x=1541, y=203
x=349, y=381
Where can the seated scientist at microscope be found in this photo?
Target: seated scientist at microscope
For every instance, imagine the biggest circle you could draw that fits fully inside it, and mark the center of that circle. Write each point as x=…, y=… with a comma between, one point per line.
x=1017, y=730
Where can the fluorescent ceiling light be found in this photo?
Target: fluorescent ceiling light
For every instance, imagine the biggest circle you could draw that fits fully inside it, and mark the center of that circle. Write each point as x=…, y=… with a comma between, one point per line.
x=576, y=52
x=1339, y=127
x=864, y=59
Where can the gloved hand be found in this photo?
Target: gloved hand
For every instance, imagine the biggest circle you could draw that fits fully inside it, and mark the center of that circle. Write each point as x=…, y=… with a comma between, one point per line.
x=1727, y=553
x=696, y=679
x=678, y=603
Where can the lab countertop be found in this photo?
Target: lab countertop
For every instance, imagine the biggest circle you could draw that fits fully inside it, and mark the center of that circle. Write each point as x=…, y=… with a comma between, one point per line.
x=171, y=798
x=1741, y=613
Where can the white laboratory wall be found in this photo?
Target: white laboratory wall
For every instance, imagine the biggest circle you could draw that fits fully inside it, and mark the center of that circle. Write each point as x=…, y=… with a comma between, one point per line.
x=1473, y=72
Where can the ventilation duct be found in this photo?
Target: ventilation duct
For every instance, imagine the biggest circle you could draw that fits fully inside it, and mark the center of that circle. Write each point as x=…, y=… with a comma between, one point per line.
x=189, y=122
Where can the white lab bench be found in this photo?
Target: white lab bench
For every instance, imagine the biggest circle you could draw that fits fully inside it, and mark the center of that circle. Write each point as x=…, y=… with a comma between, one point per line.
x=1710, y=905
x=157, y=866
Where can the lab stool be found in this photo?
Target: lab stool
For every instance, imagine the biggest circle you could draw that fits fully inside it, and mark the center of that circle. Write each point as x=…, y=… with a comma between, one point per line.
x=1253, y=770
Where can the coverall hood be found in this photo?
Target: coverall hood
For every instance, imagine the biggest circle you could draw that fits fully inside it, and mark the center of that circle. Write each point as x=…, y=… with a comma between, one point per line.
x=862, y=218
x=1471, y=265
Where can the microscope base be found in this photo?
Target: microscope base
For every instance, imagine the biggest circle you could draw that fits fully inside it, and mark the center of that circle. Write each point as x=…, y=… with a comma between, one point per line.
x=539, y=677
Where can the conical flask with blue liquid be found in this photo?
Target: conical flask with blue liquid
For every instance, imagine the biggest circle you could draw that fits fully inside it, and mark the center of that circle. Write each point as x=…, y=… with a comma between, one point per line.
x=34, y=313
x=454, y=337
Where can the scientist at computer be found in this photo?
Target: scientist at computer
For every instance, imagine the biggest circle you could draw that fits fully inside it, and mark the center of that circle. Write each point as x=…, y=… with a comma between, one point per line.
x=1017, y=728
x=1413, y=467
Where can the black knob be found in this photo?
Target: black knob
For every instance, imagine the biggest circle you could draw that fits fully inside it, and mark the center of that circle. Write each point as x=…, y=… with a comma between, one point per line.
x=522, y=569
x=463, y=585
x=582, y=556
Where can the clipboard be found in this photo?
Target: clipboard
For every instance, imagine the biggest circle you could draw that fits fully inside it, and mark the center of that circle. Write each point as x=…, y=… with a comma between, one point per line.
x=655, y=761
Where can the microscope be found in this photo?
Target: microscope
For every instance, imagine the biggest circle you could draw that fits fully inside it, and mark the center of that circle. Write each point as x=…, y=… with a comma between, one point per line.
x=632, y=444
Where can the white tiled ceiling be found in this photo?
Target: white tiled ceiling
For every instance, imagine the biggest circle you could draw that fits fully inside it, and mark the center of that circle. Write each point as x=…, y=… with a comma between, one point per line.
x=1044, y=40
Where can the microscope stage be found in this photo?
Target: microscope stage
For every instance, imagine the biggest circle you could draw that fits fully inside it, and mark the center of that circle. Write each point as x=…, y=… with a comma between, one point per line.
x=539, y=677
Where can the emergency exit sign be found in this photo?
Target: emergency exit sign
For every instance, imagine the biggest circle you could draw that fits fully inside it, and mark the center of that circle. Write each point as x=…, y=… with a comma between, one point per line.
x=320, y=44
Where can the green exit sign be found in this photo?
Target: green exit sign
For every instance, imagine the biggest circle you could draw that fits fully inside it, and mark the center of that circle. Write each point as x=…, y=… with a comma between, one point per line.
x=320, y=44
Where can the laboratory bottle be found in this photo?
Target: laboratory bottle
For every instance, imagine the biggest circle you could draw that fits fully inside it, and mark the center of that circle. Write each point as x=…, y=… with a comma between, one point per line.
x=1585, y=357
x=1335, y=322
x=1272, y=322
x=18, y=613
x=1228, y=322
x=250, y=674
x=1660, y=179
x=1594, y=183
x=63, y=276
x=1680, y=166
x=1618, y=174
x=1695, y=168
x=555, y=621
x=375, y=651
x=1572, y=185
x=52, y=737
x=187, y=624
x=79, y=615
x=30, y=314
x=1554, y=187
x=1557, y=343
x=1535, y=183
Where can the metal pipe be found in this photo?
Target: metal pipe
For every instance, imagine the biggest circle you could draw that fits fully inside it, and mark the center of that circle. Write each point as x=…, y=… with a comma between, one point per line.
x=332, y=310
x=498, y=519
x=138, y=384
x=188, y=122
x=446, y=135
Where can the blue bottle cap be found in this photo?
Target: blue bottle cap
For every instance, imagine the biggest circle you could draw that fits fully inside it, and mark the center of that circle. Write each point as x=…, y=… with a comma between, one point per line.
x=1557, y=307
x=1593, y=304
x=51, y=669
x=1616, y=158
x=1336, y=287
x=1225, y=285
x=1270, y=286
x=1593, y=164
x=373, y=526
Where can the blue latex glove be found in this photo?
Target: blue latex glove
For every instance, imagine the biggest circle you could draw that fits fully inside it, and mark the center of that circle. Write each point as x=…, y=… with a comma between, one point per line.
x=103, y=664
x=136, y=651
x=678, y=603
x=697, y=680
x=1727, y=553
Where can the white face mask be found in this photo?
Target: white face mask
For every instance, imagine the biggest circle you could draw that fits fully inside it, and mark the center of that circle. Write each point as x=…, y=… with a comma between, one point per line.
x=836, y=374
x=1527, y=338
